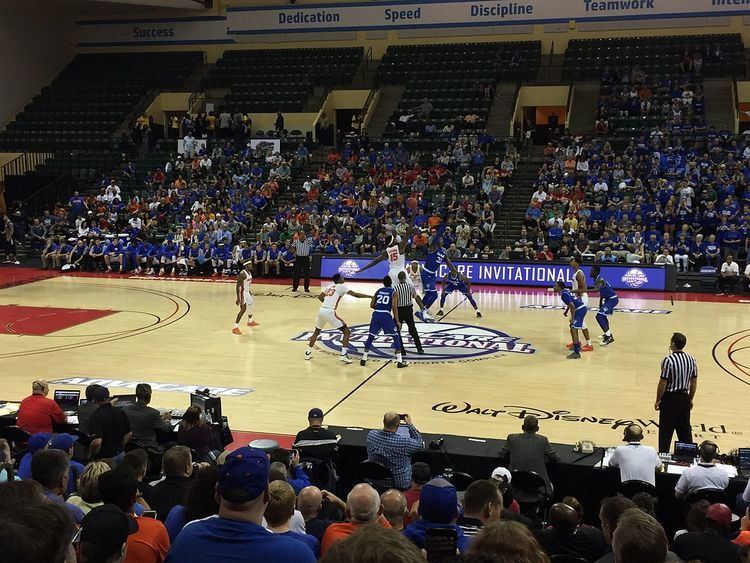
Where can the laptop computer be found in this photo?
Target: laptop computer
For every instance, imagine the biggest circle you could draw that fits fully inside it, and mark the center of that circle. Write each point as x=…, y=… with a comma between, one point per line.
x=685, y=452
x=124, y=400
x=743, y=462
x=67, y=400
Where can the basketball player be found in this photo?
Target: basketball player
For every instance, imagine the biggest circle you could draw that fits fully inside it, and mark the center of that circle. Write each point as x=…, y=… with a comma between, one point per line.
x=244, y=298
x=456, y=281
x=578, y=283
x=575, y=306
x=395, y=253
x=330, y=298
x=435, y=256
x=608, y=300
x=384, y=303
x=415, y=275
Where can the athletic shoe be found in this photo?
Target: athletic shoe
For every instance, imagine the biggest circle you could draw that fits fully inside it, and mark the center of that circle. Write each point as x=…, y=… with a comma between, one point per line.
x=720, y=293
x=236, y=331
x=479, y=315
x=587, y=348
x=307, y=290
x=363, y=362
x=345, y=359
x=294, y=291
x=401, y=365
x=608, y=340
x=570, y=346
x=420, y=316
x=420, y=351
x=253, y=323
x=16, y=262
x=440, y=313
x=573, y=356
x=308, y=354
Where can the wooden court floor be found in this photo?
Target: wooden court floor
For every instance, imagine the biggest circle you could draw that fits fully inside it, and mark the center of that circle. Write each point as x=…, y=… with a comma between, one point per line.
x=480, y=377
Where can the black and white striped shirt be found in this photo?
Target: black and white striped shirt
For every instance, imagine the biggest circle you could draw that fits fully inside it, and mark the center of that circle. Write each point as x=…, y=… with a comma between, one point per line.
x=303, y=247
x=678, y=369
x=405, y=292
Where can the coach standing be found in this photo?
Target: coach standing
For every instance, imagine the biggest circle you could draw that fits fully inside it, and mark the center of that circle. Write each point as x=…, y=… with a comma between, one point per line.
x=406, y=296
x=302, y=248
x=675, y=393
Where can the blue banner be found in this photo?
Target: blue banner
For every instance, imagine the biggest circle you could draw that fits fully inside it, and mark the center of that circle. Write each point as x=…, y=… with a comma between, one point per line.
x=535, y=274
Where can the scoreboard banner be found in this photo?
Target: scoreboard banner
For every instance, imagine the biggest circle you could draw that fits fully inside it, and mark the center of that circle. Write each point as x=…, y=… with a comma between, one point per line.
x=404, y=14
x=534, y=274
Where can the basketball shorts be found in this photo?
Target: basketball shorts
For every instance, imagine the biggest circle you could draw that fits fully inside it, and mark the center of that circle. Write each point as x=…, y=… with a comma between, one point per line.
x=247, y=299
x=382, y=321
x=326, y=317
x=429, y=281
x=450, y=288
x=578, y=318
x=608, y=306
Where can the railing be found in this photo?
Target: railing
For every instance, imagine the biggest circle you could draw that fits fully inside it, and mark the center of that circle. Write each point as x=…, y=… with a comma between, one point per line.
x=49, y=194
x=23, y=163
x=197, y=98
x=736, y=105
x=366, y=113
x=366, y=62
x=569, y=105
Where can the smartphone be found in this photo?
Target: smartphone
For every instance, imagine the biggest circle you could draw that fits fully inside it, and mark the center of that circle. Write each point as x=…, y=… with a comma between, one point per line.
x=402, y=417
x=440, y=544
x=149, y=514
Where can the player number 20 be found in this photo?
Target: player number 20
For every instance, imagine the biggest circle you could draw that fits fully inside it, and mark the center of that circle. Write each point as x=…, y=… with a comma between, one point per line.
x=383, y=299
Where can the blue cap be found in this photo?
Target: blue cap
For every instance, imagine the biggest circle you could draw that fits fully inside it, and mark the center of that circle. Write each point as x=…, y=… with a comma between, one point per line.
x=38, y=441
x=244, y=475
x=63, y=441
x=438, y=501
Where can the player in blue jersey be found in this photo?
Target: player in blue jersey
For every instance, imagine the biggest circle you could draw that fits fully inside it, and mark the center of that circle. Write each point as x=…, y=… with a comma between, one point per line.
x=456, y=281
x=435, y=256
x=608, y=300
x=575, y=306
x=384, y=318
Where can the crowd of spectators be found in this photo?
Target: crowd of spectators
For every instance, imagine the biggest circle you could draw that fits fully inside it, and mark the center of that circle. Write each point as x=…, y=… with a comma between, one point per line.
x=658, y=200
x=274, y=504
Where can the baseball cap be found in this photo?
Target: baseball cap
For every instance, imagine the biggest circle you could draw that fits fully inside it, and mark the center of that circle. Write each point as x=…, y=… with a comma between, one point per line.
x=438, y=501
x=420, y=473
x=719, y=513
x=107, y=527
x=38, y=441
x=244, y=475
x=101, y=393
x=63, y=441
x=315, y=413
x=501, y=474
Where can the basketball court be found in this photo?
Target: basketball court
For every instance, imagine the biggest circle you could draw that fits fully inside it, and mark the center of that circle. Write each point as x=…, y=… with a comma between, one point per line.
x=478, y=378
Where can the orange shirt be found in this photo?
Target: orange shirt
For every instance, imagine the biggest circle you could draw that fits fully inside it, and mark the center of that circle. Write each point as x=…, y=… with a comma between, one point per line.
x=743, y=538
x=433, y=221
x=336, y=532
x=37, y=414
x=149, y=544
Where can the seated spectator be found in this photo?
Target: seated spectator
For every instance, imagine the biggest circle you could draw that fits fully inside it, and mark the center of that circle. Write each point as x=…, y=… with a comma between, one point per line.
x=286, y=462
x=704, y=475
x=194, y=433
x=65, y=442
x=508, y=542
x=609, y=512
x=530, y=451
x=420, y=475
x=310, y=503
x=279, y=512
x=237, y=533
x=150, y=543
x=482, y=504
x=37, y=442
x=713, y=543
x=394, y=450
x=638, y=538
x=87, y=493
x=394, y=508
x=566, y=537
x=200, y=502
x=177, y=467
x=104, y=535
x=37, y=413
x=110, y=428
x=145, y=421
x=362, y=509
x=636, y=461
x=728, y=276
x=86, y=409
x=51, y=469
x=373, y=544
x=138, y=461
x=438, y=508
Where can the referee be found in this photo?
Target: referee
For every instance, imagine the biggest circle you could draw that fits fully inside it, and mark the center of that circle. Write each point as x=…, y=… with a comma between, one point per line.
x=406, y=296
x=302, y=248
x=675, y=392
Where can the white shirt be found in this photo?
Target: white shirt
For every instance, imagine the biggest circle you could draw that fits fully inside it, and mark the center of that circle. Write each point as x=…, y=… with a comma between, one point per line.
x=636, y=462
x=747, y=269
x=664, y=259
x=333, y=294
x=701, y=476
x=540, y=196
x=601, y=187
x=732, y=268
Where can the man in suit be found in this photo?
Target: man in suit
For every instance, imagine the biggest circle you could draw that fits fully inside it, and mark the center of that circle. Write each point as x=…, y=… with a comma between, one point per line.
x=529, y=451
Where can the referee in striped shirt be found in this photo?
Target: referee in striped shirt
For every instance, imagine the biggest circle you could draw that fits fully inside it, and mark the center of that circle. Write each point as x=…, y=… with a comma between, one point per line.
x=675, y=393
x=406, y=296
x=302, y=248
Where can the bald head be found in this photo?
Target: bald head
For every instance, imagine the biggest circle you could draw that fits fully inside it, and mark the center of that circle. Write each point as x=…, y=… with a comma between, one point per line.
x=563, y=518
x=363, y=504
x=633, y=433
x=309, y=502
x=390, y=421
x=394, y=507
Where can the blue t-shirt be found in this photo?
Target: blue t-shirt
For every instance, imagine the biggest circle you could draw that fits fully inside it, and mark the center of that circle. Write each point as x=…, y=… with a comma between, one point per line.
x=307, y=539
x=233, y=541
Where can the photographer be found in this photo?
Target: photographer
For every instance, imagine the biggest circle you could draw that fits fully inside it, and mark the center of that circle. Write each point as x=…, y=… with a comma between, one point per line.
x=393, y=449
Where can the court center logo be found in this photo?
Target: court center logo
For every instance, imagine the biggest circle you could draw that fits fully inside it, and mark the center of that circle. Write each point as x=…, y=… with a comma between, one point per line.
x=442, y=342
x=635, y=277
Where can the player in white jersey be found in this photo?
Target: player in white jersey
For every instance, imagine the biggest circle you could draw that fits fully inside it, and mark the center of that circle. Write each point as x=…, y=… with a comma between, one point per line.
x=330, y=298
x=578, y=283
x=415, y=275
x=244, y=298
x=395, y=253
